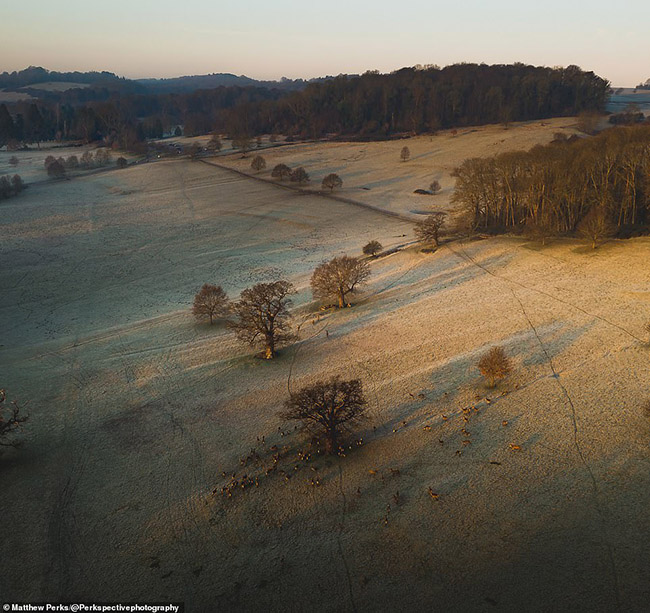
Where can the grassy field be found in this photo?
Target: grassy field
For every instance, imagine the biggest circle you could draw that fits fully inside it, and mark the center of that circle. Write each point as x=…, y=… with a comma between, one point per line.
x=139, y=414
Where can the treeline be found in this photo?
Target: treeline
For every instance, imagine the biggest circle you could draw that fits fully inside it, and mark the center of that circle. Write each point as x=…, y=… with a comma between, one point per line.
x=372, y=105
x=551, y=190
x=424, y=100
x=36, y=74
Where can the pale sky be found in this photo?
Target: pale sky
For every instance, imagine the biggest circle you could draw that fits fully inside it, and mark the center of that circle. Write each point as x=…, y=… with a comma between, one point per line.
x=274, y=38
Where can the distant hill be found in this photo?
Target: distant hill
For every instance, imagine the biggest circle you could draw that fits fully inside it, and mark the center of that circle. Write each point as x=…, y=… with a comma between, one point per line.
x=42, y=83
x=35, y=75
x=222, y=79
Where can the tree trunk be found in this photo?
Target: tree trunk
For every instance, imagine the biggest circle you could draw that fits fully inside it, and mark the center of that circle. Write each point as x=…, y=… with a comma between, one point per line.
x=341, y=300
x=331, y=445
x=269, y=350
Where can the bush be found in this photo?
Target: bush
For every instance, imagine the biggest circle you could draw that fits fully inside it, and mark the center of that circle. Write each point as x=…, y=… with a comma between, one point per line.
x=435, y=187
x=405, y=154
x=13, y=160
x=494, y=365
x=121, y=162
x=372, y=248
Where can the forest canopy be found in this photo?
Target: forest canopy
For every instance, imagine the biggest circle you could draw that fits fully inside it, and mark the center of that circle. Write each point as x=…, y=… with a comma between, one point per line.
x=372, y=105
x=553, y=188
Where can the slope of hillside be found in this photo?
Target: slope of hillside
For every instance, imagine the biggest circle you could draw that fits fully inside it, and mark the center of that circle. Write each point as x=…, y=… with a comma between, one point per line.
x=532, y=496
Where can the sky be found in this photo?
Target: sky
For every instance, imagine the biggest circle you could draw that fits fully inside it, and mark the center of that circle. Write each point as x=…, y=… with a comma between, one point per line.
x=275, y=38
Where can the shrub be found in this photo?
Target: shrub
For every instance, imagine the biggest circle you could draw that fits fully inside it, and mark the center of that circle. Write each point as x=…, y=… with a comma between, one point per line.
x=13, y=160
x=405, y=154
x=494, y=365
x=121, y=162
x=372, y=248
x=435, y=187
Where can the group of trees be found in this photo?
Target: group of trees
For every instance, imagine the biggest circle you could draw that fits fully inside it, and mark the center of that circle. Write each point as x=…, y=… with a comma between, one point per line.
x=567, y=186
x=10, y=186
x=370, y=105
x=261, y=316
x=333, y=405
x=58, y=167
x=282, y=172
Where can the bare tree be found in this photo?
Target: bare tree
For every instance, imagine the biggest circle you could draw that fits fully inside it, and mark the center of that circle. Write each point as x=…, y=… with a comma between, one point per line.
x=214, y=144
x=263, y=315
x=329, y=406
x=372, y=248
x=405, y=154
x=331, y=181
x=300, y=175
x=193, y=151
x=211, y=302
x=338, y=277
x=494, y=364
x=595, y=227
x=435, y=187
x=243, y=143
x=429, y=228
x=281, y=171
x=258, y=163
x=10, y=421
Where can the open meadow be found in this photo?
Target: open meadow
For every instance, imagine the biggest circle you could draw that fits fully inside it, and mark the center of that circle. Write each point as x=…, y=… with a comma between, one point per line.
x=451, y=497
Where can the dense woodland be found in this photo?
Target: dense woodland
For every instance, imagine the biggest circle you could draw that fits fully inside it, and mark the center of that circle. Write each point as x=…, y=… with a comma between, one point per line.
x=552, y=189
x=373, y=105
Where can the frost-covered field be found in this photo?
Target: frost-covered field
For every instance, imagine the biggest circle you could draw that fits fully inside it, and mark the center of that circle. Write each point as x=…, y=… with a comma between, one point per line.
x=136, y=410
